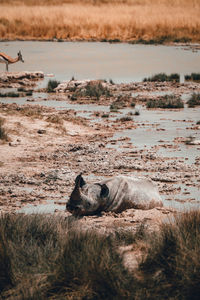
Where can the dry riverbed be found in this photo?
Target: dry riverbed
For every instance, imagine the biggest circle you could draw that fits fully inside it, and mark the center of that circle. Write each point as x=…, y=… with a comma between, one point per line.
x=47, y=147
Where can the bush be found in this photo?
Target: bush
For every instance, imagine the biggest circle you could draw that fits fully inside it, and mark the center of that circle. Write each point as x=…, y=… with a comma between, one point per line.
x=133, y=104
x=52, y=84
x=194, y=100
x=163, y=77
x=92, y=90
x=137, y=112
x=3, y=133
x=119, y=103
x=9, y=94
x=126, y=119
x=167, y=101
x=193, y=77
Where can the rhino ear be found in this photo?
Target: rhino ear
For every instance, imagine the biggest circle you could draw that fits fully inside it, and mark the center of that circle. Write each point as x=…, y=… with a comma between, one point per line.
x=80, y=179
x=104, y=191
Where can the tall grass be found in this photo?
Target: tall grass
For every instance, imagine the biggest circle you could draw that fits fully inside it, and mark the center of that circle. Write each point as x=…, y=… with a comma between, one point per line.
x=46, y=257
x=173, y=261
x=142, y=20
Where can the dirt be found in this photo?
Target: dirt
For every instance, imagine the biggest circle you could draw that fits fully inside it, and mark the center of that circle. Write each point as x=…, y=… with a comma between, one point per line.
x=47, y=148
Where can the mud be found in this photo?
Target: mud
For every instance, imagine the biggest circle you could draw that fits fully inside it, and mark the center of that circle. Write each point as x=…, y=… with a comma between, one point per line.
x=19, y=79
x=49, y=145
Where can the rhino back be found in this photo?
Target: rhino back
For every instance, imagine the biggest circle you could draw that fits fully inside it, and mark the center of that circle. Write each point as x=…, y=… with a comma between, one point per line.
x=131, y=192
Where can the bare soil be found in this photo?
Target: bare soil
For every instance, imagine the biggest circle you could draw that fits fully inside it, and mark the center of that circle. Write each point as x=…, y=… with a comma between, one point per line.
x=47, y=148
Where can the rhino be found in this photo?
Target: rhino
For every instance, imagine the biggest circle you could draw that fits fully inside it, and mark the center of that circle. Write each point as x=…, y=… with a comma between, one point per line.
x=114, y=194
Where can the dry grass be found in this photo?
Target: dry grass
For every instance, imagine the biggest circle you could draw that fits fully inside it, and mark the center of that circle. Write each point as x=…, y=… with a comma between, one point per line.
x=47, y=257
x=129, y=20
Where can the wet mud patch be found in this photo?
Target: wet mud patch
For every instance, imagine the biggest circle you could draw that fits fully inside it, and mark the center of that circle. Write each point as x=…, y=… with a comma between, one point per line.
x=53, y=142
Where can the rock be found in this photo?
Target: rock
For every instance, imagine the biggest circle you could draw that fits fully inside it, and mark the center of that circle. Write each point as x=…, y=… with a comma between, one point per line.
x=41, y=131
x=13, y=76
x=193, y=142
x=74, y=84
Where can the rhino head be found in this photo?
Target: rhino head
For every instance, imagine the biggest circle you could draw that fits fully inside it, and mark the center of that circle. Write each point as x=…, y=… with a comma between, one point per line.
x=87, y=199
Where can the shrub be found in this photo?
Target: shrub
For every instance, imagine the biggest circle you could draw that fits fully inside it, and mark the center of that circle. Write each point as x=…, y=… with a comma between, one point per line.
x=193, y=77
x=21, y=89
x=92, y=90
x=163, y=77
x=96, y=90
x=3, y=133
x=194, y=100
x=167, y=101
x=52, y=84
x=10, y=94
x=133, y=104
x=125, y=119
x=29, y=93
x=119, y=103
x=54, y=119
x=190, y=139
x=137, y=112
x=105, y=115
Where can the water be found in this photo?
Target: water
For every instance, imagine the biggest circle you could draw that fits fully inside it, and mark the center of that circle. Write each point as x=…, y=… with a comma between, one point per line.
x=95, y=60
x=163, y=125
x=46, y=208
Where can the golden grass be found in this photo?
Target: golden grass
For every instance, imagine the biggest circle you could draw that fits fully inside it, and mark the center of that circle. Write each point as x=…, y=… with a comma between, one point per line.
x=158, y=20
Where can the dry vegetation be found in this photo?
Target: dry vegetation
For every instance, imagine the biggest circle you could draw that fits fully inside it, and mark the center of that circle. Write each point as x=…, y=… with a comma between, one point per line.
x=125, y=20
x=47, y=257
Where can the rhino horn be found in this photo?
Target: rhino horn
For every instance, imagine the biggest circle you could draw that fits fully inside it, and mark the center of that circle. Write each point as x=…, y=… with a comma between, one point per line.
x=76, y=194
x=79, y=181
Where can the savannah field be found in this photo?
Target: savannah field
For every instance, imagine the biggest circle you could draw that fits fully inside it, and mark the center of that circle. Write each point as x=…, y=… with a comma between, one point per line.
x=157, y=21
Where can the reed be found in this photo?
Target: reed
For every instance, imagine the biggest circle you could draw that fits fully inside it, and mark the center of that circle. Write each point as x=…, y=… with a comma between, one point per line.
x=116, y=20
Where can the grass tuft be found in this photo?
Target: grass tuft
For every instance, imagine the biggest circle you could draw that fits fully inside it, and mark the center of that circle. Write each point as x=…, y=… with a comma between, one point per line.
x=165, y=102
x=52, y=84
x=163, y=77
x=91, y=267
x=3, y=133
x=193, y=77
x=9, y=94
x=48, y=257
x=194, y=100
x=173, y=261
x=92, y=90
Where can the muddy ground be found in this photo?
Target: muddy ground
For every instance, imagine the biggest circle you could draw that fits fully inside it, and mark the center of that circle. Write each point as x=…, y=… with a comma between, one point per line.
x=46, y=148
